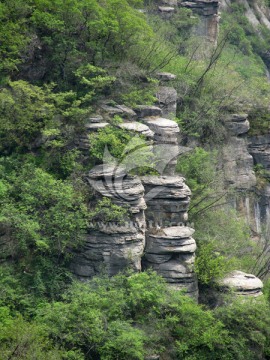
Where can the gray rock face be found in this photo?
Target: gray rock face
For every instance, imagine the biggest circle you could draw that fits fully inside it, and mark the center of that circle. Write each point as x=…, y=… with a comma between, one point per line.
x=207, y=10
x=259, y=148
x=165, y=76
x=176, y=239
x=166, y=11
x=169, y=244
x=166, y=140
x=111, y=110
x=242, y=284
x=114, y=252
x=167, y=98
x=238, y=165
x=127, y=112
x=166, y=131
x=113, y=246
x=169, y=2
x=178, y=273
x=168, y=247
x=95, y=123
x=237, y=124
x=137, y=127
x=95, y=126
x=120, y=110
x=95, y=119
x=147, y=110
x=167, y=200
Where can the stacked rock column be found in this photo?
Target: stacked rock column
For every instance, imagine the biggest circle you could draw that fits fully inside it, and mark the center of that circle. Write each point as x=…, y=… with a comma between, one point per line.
x=110, y=246
x=169, y=246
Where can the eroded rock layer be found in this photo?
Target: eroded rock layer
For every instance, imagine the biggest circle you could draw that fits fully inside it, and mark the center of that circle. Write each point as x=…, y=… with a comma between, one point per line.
x=242, y=284
x=114, y=246
x=157, y=204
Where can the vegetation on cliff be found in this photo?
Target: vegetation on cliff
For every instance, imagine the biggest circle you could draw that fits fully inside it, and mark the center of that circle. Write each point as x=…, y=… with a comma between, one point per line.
x=58, y=61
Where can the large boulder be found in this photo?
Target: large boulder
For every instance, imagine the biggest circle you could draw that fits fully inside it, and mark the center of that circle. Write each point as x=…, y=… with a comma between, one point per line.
x=242, y=284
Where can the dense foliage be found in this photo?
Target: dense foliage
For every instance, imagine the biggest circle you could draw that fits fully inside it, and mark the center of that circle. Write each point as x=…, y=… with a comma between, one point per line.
x=59, y=61
x=131, y=317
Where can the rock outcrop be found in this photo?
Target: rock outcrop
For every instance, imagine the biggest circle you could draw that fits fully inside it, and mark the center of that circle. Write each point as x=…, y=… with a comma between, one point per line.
x=167, y=200
x=242, y=284
x=207, y=11
x=168, y=247
x=238, y=164
x=259, y=148
x=166, y=134
x=113, y=246
x=170, y=252
x=237, y=124
x=167, y=99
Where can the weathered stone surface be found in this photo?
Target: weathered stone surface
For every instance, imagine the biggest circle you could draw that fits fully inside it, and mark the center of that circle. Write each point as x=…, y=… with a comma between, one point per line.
x=137, y=127
x=113, y=252
x=104, y=171
x=167, y=199
x=166, y=9
x=175, y=239
x=95, y=119
x=166, y=192
x=178, y=275
x=169, y=249
x=207, y=10
x=165, y=76
x=147, y=110
x=242, y=284
x=113, y=246
x=126, y=189
x=175, y=181
x=127, y=112
x=111, y=110
x=169, y=2
x=238, y=164
x=95, y=126
x=166, y=131
x=167, y=98
x=259, y=148
x=152, y=357
x=237, y=124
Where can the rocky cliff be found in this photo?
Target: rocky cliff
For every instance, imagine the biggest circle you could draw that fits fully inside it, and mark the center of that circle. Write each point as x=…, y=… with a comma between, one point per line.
x=155, y=234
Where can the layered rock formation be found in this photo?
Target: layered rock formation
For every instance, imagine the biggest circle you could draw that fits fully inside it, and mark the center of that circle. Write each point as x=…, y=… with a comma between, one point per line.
x=207, y=10
x=238, y=163
x=167, y=199
x=170, y=252
x=242, y=284
x=168, y=246
x=259, y=148
x=167, y=98
x=113, y=246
